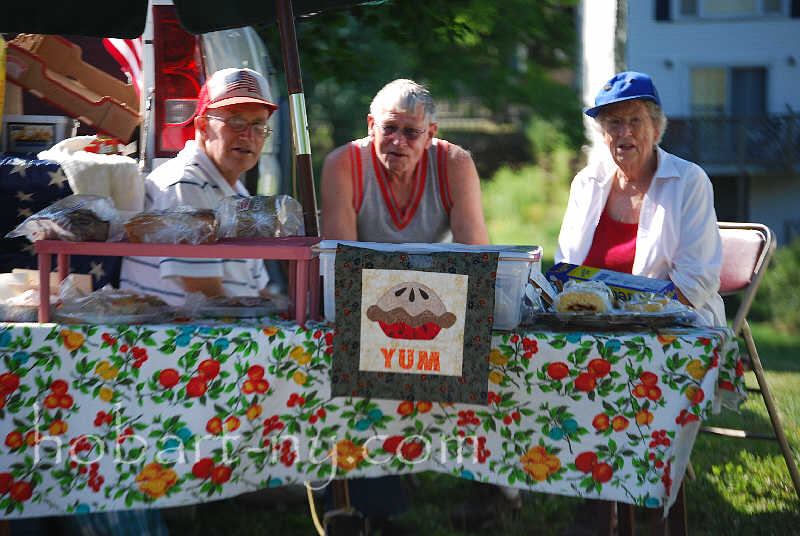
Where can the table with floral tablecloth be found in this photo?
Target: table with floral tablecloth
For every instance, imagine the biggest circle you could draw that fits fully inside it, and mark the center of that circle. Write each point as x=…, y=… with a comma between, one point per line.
x=106, y=417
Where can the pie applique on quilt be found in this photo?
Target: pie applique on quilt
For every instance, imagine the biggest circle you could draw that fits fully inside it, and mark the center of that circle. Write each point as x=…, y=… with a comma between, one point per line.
x=413, y=326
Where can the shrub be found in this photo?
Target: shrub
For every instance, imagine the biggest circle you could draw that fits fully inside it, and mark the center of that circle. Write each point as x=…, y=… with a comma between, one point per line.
x=525, y=205
x=780, y=290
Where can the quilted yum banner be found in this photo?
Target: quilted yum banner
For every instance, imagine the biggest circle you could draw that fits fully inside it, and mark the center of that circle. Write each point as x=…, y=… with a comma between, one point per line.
x=413, y=326
x=425, y=331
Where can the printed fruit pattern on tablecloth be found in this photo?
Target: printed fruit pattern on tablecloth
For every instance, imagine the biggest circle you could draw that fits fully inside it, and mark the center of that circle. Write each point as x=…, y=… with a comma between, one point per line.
x=603, y=369
x=194, y=412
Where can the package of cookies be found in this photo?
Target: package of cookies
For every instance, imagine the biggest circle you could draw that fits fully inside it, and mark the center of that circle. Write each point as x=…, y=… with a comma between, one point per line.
x=179, y=225
x=76, y=218
x=622, y=285
x=584, y=297
x=260, y=217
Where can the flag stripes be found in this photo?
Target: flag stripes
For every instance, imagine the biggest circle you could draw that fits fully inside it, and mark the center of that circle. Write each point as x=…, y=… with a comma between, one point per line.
x=128, y=53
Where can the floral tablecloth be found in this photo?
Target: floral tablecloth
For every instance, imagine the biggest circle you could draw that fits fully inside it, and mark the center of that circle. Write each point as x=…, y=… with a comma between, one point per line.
x=115, y=417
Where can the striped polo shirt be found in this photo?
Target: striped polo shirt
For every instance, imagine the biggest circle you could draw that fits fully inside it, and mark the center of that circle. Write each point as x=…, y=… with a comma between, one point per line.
x=190, y=179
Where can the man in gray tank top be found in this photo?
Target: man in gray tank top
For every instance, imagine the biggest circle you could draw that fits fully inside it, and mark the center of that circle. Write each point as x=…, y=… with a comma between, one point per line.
x=400, y=183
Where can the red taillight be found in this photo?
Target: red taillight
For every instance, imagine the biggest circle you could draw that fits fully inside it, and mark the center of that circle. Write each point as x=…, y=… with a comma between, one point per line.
x=179, y=76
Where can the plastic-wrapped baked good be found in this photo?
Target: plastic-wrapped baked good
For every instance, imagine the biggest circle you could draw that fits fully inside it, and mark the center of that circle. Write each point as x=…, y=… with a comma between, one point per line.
x=260, y=217
x=241, y=306
x=23, y=307
x=181, y=225
x=647, y=302
x=112, y=306
x=584, y=297
x=76, y=226
x=76, y=218
x=240, y=301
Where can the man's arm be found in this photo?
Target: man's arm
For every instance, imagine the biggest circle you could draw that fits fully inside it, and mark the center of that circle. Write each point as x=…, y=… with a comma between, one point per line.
x=466, y=216
x=338, y=214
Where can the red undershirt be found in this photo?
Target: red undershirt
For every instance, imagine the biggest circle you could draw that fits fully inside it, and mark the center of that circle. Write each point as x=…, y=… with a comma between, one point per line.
x=613, y=245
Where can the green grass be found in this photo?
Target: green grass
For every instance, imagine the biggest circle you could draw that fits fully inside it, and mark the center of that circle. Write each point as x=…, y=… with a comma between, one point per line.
x=742, y=487
x=526, y=206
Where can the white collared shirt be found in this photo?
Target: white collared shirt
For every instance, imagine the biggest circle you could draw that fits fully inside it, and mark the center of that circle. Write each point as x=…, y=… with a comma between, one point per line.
x=677, y=239
x=191, y=179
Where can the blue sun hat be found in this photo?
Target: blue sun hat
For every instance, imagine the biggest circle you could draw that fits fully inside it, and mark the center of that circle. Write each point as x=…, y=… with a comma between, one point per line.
x=624, y=86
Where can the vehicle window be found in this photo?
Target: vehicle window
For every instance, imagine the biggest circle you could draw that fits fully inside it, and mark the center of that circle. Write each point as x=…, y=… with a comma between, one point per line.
x=240, y=47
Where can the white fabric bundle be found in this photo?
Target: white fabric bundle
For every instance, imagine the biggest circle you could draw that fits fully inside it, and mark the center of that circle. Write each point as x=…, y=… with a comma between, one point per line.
x=108, y=175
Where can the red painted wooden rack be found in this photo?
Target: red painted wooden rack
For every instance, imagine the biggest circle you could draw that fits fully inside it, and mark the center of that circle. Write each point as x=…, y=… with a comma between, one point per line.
x=303, y=262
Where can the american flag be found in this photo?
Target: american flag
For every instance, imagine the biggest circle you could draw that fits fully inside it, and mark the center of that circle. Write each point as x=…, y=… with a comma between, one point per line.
x=128, y=53
x=242, y=81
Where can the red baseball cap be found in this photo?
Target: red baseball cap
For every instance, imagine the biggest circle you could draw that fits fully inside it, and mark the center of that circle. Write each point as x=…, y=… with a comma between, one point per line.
x=234, y=86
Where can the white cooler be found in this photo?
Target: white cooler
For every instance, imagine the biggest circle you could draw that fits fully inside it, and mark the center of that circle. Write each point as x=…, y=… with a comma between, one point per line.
x=513, y=267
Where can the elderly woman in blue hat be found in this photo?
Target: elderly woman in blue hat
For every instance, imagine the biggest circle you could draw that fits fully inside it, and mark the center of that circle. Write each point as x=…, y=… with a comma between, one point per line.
x=641, y=210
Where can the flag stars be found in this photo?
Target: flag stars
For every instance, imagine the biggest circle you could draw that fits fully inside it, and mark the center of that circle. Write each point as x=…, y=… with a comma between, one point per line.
x=23, y=196
x=23, y=213
x=20, y=168
x=97, y=271
x=57, y=178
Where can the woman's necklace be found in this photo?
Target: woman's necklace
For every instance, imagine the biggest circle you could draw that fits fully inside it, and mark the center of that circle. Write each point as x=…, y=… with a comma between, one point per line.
x=631, y=187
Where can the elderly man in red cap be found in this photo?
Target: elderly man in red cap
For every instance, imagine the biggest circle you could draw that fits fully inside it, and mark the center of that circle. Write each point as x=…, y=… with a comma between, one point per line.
x=230, y=129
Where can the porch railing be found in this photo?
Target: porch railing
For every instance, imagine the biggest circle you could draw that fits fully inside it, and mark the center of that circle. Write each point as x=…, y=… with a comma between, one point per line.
x=720, y=144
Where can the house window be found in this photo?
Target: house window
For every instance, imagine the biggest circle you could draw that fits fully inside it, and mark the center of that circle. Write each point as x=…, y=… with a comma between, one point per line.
x=709, y=90
x=738, y=91
x=717, y=9
x=748, y=91
x=688, y=7
x=731, y=105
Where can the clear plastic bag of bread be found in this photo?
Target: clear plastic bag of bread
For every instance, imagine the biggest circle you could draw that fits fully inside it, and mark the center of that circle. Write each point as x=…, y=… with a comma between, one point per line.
x=584, y=297
x=260, y=217
x=112, y=306
x=179, y=225
x=75, y=218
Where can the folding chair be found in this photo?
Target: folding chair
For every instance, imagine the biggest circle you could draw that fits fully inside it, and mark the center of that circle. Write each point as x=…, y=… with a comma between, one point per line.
x=746, y=251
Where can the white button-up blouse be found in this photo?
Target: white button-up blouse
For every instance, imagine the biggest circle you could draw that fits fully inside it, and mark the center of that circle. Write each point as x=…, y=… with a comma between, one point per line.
x=677, y=239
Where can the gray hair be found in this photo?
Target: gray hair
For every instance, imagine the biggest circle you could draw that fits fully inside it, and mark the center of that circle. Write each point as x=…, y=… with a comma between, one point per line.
x=404, y=96
x=653, y=110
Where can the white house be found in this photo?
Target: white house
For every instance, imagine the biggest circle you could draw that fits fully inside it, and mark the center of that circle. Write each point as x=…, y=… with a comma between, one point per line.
x=728, y=72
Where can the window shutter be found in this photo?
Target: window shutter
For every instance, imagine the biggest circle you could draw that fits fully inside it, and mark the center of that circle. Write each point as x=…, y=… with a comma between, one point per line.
x=662, y=9
x=796, y=9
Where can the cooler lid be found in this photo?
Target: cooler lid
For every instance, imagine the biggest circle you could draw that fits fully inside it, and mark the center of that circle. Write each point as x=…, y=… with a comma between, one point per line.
x=530, y=253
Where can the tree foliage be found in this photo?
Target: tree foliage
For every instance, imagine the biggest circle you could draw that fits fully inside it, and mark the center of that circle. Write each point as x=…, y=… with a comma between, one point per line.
x=496, y=53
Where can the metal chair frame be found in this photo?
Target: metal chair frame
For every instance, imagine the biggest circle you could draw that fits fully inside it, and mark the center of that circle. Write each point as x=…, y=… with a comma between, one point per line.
x=742, y=328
